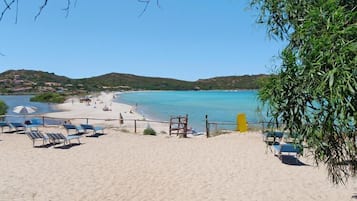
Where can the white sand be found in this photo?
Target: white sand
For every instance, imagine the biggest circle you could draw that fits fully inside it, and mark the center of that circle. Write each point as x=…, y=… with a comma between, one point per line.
x=78, y=113
x=127, y=166
x=72, y=108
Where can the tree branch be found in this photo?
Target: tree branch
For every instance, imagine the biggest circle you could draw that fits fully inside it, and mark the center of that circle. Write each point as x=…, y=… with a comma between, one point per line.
x=41, y=8
x=147, y=2
x=17, y=10
x=67, y=8
x=6, y=3
x=9, y=4
x=158, y=4
x=7, y=7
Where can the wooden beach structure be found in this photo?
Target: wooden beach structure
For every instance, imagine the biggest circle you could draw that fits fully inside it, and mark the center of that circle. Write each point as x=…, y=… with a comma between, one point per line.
x=178, y=125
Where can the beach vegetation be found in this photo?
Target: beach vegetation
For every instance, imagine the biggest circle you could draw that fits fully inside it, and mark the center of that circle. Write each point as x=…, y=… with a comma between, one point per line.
x=149, y=131
x=124, y=130
x=3, y=107
x=48, y=98
x=314, y=90
x=219, y=132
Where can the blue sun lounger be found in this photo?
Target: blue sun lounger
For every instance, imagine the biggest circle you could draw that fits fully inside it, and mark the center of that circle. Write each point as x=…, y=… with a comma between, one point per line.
x=34, y=124
x=95, y=129
x=272, y=138
x=36, y=135
x=58, y=137
x=70, y=127
x=18, y=126
x=286, y=149
x=3, y=125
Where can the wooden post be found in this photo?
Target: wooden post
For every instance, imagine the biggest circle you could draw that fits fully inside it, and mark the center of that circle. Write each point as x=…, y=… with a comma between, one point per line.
x=207, y=127
x=170, y=126
x=185, y=126
x=135, y=126
x=121, y=119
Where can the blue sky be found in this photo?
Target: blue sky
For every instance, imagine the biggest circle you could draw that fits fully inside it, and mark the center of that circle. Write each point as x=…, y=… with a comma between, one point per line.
x=182, y=39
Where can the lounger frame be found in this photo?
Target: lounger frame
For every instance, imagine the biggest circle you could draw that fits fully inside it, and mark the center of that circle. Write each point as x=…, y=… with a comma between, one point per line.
x=58, y=137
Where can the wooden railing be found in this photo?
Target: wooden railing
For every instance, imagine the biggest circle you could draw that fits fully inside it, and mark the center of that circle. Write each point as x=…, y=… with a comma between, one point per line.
x=135, y=124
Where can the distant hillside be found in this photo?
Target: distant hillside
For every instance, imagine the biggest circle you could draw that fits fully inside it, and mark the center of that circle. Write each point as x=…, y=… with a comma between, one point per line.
x=29, y=81
x=231, y=82
x=124, y=81
x=31, y=75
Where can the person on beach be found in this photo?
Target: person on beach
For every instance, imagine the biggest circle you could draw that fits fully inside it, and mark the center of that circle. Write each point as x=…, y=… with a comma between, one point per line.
x=67, y=122
x=191, y=130
x=121, y=119
x=132, y=109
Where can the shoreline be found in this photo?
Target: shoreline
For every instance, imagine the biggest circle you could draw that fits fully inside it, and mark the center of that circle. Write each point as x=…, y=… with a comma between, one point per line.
x=78, y=113
x=154, y=113
x=221, y=106
x=135, y=108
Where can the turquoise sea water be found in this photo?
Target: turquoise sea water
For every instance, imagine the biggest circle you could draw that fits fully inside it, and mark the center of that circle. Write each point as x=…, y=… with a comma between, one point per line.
x=220, y=106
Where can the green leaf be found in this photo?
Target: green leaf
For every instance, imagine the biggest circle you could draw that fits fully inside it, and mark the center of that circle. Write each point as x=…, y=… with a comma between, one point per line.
x=331, y=79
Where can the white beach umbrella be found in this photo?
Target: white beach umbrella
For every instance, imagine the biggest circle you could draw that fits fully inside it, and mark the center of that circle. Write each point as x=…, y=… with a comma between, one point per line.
x=21, y=109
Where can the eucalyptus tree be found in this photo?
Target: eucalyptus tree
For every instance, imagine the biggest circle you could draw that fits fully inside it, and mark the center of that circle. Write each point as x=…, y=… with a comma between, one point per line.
x=314, y=91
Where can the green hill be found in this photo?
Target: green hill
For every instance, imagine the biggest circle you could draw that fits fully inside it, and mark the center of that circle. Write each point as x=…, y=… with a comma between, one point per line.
x=126, y=81
x=29, y=81
x=38, y=76
x=231, y=82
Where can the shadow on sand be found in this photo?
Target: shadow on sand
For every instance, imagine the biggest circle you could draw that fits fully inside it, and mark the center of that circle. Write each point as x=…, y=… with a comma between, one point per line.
x=354, y=196
x=43, y=146
x=67, y=146
x=96, y=135
x=292, y=160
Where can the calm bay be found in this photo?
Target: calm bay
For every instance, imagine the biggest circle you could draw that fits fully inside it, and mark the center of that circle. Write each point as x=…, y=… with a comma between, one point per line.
x=220, y=106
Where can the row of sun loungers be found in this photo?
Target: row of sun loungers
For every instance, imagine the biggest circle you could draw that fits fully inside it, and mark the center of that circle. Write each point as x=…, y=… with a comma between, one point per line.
x=12, y=127
x=17, y=127
x=58, y=137
x=35, y=135
x=52, y=138
x=83, y=128
x=20, y=127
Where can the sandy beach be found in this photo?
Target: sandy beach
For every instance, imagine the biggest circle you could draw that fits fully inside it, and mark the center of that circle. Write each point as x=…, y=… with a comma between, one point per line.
x=93, y=113
x=127, y=166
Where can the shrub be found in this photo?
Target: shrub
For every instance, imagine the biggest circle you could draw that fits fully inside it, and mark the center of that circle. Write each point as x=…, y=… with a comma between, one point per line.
x=124, y=130
x=149, y=131
x=3, y=107
x=49, y=98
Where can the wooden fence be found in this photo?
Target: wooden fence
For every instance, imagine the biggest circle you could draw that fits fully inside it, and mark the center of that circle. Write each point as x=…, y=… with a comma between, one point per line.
x=138, y=125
